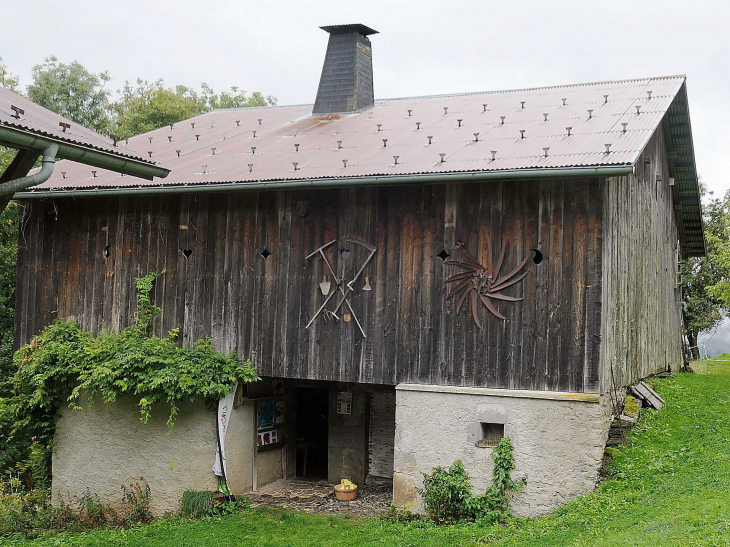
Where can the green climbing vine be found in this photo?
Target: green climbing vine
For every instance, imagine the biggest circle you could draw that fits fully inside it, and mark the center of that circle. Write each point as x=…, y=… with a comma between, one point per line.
x=66, y=365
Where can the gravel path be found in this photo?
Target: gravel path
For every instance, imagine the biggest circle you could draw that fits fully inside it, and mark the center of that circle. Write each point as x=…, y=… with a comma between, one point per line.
x=319, y=497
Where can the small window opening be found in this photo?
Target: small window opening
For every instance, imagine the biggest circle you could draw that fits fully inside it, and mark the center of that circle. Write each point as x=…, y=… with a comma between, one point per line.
x=107, y=251
x=187, y=253
x=538, y=256
x=265, y=254
x=491, y=434
x=345, y=253
x=443, y=255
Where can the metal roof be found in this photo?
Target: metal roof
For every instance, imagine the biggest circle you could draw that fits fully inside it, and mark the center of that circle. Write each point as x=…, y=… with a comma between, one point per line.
x=517, y=130
x=24, y=115
x=362, y=29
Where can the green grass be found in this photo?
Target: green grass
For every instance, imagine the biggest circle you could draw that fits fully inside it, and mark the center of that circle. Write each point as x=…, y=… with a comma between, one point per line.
x=716, y=365
x=670, y=487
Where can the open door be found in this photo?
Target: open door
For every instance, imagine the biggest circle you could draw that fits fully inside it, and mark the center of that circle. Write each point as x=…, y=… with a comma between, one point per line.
x=312, y=419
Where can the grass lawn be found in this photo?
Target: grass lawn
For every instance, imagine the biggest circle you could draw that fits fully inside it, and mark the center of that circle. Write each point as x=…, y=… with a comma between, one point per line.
x=717, y=365
x=670, y=486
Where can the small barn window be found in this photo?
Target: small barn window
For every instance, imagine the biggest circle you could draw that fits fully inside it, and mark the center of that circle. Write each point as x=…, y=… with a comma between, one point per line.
x=538, y=256
x=265, y=254
x=443, y=255
x=491, y=435
x=187, y=253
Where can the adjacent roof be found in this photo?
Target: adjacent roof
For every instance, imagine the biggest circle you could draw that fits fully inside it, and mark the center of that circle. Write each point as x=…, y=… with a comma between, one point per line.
x=31, y=118
x=500, y=132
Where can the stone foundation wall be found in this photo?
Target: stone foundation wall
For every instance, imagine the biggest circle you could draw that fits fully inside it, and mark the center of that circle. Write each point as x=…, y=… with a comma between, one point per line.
x=558, y=441
x=103, y=447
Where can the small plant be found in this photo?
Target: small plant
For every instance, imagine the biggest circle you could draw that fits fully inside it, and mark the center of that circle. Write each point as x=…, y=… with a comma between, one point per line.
x=448, y=498
x=136, y=501
x=230, y=507
x=91, y=509
x=204, y=504
x=197, y=504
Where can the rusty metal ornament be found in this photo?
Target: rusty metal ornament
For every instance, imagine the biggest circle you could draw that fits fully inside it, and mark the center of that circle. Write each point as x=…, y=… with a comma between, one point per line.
x=344, y=288
x=482, y=284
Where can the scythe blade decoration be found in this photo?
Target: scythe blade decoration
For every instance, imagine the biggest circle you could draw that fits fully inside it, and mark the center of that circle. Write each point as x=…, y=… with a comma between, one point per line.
x=481, y=284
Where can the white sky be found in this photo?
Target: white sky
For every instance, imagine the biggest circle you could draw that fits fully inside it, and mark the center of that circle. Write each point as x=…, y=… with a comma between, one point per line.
x=424, y=47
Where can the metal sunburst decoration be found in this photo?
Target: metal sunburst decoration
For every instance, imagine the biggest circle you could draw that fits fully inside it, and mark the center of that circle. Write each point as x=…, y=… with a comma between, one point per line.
x=481, y=284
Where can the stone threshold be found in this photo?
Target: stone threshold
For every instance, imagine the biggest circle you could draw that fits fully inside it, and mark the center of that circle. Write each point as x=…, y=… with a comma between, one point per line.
x=492, y=392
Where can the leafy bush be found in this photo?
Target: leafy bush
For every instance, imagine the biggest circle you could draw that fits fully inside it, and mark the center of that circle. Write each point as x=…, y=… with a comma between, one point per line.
x=63, y=363
x=448, y=497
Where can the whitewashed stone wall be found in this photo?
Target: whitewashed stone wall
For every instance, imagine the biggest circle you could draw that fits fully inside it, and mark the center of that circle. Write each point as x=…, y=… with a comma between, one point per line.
x=105, y=446
x=558, y=441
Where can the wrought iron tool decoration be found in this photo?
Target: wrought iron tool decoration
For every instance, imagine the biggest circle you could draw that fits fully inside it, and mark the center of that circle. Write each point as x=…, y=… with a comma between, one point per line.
x=343, y=288
x=480, y=284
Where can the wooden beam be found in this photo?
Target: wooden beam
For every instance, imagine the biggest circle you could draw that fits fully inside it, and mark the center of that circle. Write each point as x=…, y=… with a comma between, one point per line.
x=20, y=166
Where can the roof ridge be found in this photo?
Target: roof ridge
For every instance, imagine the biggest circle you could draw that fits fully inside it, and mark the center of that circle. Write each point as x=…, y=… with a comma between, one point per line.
x=463, y=94
x=468, y=93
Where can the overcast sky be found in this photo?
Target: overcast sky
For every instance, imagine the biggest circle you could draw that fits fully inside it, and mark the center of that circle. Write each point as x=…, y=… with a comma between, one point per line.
x=424, y=47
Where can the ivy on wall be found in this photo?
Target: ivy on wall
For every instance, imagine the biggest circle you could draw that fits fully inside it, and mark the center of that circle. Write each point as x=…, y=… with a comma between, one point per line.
x=64, y=362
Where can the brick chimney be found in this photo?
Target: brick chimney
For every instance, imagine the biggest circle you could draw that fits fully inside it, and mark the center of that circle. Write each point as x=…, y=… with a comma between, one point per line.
x=346, y=84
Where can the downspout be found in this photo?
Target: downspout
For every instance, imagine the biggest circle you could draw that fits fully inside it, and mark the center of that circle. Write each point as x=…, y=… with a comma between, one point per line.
x=45, y=172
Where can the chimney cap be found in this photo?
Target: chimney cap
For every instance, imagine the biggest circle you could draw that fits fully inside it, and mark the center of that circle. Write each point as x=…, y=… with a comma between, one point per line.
x=338, y=29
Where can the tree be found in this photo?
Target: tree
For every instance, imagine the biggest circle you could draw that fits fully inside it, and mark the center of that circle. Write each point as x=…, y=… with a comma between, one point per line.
x=7, y=78
x=718, y=239
x=73, y=92
x=706, y=287
x=10, y=81
x=151, y=105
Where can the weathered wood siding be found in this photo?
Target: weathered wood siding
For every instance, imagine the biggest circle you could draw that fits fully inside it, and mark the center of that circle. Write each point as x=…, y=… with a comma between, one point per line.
x=226, y=289
x=642, y=314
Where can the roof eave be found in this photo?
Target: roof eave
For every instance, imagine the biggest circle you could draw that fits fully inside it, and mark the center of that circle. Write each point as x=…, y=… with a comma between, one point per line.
x=313, y=183
x=28, y=140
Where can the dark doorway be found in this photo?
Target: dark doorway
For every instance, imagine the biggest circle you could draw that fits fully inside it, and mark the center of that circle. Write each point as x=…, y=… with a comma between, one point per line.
x=312, y=411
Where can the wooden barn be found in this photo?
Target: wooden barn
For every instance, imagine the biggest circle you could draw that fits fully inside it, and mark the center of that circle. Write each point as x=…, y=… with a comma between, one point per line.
x=413, y=278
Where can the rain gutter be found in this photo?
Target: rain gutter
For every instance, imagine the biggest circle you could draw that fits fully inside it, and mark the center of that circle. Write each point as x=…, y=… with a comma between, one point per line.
x=381, y=180
x=18, y=138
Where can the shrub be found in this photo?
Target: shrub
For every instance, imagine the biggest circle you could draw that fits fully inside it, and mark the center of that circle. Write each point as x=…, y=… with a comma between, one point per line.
x=448, y=497
x=447, y=494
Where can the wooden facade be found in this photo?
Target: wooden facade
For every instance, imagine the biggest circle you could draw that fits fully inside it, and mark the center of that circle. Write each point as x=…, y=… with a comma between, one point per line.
x=236, y=270
x=642, y=314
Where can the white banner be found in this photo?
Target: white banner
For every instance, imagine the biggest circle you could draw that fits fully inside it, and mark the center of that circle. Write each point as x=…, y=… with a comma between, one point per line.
x=225, y=410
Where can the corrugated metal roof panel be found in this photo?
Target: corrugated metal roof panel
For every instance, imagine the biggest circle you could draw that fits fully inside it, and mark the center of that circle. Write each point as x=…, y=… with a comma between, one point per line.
x=41, y=121
x=278, y=129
